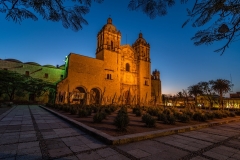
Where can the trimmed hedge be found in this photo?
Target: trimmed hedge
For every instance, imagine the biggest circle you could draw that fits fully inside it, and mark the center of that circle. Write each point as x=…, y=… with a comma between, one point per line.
x=149, y=120
x=122, y=120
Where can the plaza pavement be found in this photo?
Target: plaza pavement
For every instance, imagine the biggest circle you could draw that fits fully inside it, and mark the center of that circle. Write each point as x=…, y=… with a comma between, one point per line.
x=30, y=132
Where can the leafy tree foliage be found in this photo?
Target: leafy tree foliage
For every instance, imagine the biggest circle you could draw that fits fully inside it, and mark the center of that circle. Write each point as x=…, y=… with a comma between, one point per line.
x=226, y=15
x=12, y=83
x=221, y=86
x=38, y=87
x=210, y=89
x=69, y=12
x=152, y=8
x=195, y=90
x=207, y=92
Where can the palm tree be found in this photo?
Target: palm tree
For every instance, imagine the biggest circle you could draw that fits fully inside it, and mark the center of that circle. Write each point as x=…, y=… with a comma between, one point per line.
x=195, y=90
x=221, y=86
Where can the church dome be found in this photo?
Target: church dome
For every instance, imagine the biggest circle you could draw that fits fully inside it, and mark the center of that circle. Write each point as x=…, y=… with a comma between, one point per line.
x=141, y=40
x=109, y=26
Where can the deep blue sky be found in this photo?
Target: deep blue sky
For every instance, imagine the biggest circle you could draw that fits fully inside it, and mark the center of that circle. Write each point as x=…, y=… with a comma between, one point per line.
x=172, y=52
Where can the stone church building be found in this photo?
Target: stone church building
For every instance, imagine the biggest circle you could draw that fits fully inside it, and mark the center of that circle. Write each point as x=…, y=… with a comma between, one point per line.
x=119, y=74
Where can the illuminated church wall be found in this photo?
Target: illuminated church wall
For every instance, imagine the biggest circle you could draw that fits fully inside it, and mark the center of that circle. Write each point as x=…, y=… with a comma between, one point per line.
x=122, y=72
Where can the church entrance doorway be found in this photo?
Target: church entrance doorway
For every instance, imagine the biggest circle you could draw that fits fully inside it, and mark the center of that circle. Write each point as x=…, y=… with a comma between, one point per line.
x=95, y=96
x=127, y=97
x=81, y=96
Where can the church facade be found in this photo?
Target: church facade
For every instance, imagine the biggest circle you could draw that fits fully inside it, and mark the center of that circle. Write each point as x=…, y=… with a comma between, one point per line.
x=119, y=73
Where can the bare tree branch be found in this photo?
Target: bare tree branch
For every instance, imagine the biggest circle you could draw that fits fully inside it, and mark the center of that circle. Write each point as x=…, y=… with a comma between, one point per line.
x=53, y=10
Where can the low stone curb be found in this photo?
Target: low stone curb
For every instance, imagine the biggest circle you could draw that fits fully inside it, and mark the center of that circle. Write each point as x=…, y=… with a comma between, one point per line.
x=6, y=113
x=139, y=136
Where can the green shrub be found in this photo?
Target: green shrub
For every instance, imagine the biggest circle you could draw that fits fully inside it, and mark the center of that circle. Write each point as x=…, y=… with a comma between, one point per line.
x=138, y=113
x=167, y=118
x=73, y=110
x=98, y=117
x=178, y=115
x=224, y=114
x=104, y=114
x=135, y=109
x=121, y=121
x=188, y=112
x=94, y=108
x=123, y=110
x=227, y=113
x=66, y=108
x=149, y=120
x=89, y=111
x=112, y=107
x=107, y=110
x=167, y=111
x=174, y=111
x=162, y=116
x=153, y=111
x=199, y=116
x=218, y=114
x=60, y=107
x=184, y=118
x=170, y=119
x=232, y=114
x=237, y=112
x=210, y=115
x=145, y=116
x=83, y=113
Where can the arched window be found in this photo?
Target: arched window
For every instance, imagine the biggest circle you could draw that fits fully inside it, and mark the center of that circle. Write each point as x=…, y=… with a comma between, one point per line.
x=146, y=82
x=127, y=67
x=112, y=45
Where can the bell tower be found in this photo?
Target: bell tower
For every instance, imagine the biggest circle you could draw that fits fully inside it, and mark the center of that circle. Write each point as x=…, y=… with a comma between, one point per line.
x=156, y=87
x=142, y=53
x=142, y=48
x=108, y=40
x=108, y=50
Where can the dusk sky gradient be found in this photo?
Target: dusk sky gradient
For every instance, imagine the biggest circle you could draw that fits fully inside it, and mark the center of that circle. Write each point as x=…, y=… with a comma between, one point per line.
x=180, y=62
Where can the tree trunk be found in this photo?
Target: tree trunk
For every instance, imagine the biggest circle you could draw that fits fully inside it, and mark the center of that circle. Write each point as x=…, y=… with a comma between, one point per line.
x=221, y=101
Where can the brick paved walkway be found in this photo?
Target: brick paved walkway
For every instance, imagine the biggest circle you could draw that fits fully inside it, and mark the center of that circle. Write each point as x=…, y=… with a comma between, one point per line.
x=4, y=109
x=34, y=133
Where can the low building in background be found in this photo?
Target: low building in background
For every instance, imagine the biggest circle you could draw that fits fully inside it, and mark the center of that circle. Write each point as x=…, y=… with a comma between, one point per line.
x=47, y=73
x=233, y=101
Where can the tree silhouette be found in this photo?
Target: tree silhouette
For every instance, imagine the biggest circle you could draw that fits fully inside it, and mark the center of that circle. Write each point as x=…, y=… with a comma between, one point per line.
x=221, y=86
x=195, y=90
x=226, y=14
x=11, y=84
x=38, y=87
x=69, y=12
x=208, y=93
